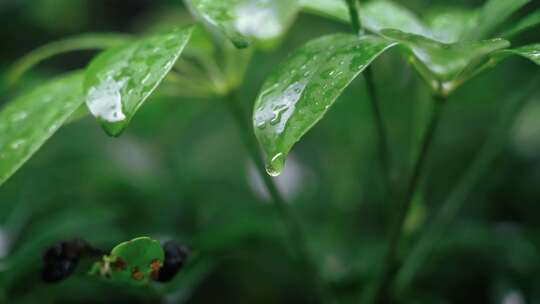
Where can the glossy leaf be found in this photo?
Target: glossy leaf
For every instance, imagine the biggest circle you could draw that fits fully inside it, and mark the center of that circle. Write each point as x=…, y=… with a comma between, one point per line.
x=531, y=52
x=524, y=24
x=492, y=15
x=243, y=21
x=450, y=25
x=302, y=89
x=133, y=262
x=28, y=121
x=119, y=80
x=446, y=66
x=78, y=43
x=375, y=15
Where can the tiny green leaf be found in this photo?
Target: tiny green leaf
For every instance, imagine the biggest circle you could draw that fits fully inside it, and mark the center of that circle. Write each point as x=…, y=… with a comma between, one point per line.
x=524, y=24
x=446, y=66
x=243, y=21
x=375, y=15
x=134, y=262
x=531, y=52
x=28, y=121
x=491, y=16
x=119, y=80
x=77, y=43
x=301, y=90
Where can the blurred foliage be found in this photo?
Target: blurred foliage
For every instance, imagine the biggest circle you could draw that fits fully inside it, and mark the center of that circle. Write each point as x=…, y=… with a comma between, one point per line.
x=180, y=172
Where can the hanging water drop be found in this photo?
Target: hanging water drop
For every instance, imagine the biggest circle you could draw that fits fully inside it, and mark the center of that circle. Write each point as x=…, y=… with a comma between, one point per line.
x=275, y=166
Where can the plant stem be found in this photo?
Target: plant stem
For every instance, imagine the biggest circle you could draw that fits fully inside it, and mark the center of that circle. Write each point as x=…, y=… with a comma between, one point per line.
x=450, y=207
x=379, y=292
x=356, y=23
x=382, y=137
x=293, y=227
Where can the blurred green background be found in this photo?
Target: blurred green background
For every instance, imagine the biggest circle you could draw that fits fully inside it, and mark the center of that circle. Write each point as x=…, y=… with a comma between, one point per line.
x=180, y=172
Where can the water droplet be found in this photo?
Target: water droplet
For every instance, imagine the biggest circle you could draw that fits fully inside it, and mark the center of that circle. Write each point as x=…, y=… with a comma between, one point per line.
x=17, y=144
x=276, y=164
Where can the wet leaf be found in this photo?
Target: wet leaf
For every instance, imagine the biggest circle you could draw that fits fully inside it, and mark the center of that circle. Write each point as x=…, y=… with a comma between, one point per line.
x=375, y=15
x=302, y=89
x=28, y=121
x=119, y=80
x=133, y=262
x=244, y=21
x=492, y=15
x=531, y=52
x=77, y=43
x=524, y=24
x=446, y=66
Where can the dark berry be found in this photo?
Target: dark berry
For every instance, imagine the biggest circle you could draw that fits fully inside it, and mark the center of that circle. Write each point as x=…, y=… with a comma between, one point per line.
x=175, y=256
x=61, y=259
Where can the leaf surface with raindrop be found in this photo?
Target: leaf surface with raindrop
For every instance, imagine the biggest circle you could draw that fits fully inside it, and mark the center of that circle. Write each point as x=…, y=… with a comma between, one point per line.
x=244, y=21
x=28, y=121
x=446, y=66
x=301, y=90
x=531, y=52
x=119, y=80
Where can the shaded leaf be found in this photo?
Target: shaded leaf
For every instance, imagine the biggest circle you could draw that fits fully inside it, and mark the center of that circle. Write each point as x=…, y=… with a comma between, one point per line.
x=450, y=25
x=446, y=66
x=491, y=16
x=243, y=21
x=524, y=24
x=119, y=80
x=302, y=89
x=375, y=15
x=134, y=262
x=28, y=121
x=77, y=43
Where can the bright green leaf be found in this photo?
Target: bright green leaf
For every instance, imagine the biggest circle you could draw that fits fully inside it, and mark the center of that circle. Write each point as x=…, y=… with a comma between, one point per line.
x=446, y=66
x=243, y=21
x=78, y=43
x=524, y=24
x=492, y=15
x=531, y=52
x=302, y=89
x=28, y=121
x=133, y=262
x=119, y=80
x=375, y=15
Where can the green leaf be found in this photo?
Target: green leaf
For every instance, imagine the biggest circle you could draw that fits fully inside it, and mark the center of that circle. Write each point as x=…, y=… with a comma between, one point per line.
x=77, y=43
x=531, y=52
x=524, y=24
x=119, y=80
x=375, y=15
x=492, y=15
x=302, y=89
x=133, y=262
x=449, y=25
x=28, y=121
x=446, y=66
x=243, y=21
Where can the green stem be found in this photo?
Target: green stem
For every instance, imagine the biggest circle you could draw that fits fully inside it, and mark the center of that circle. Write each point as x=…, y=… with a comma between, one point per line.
x=296, y=235
x=382, y=137
x=356, y=23
x=380, y=290
x=450, y=207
